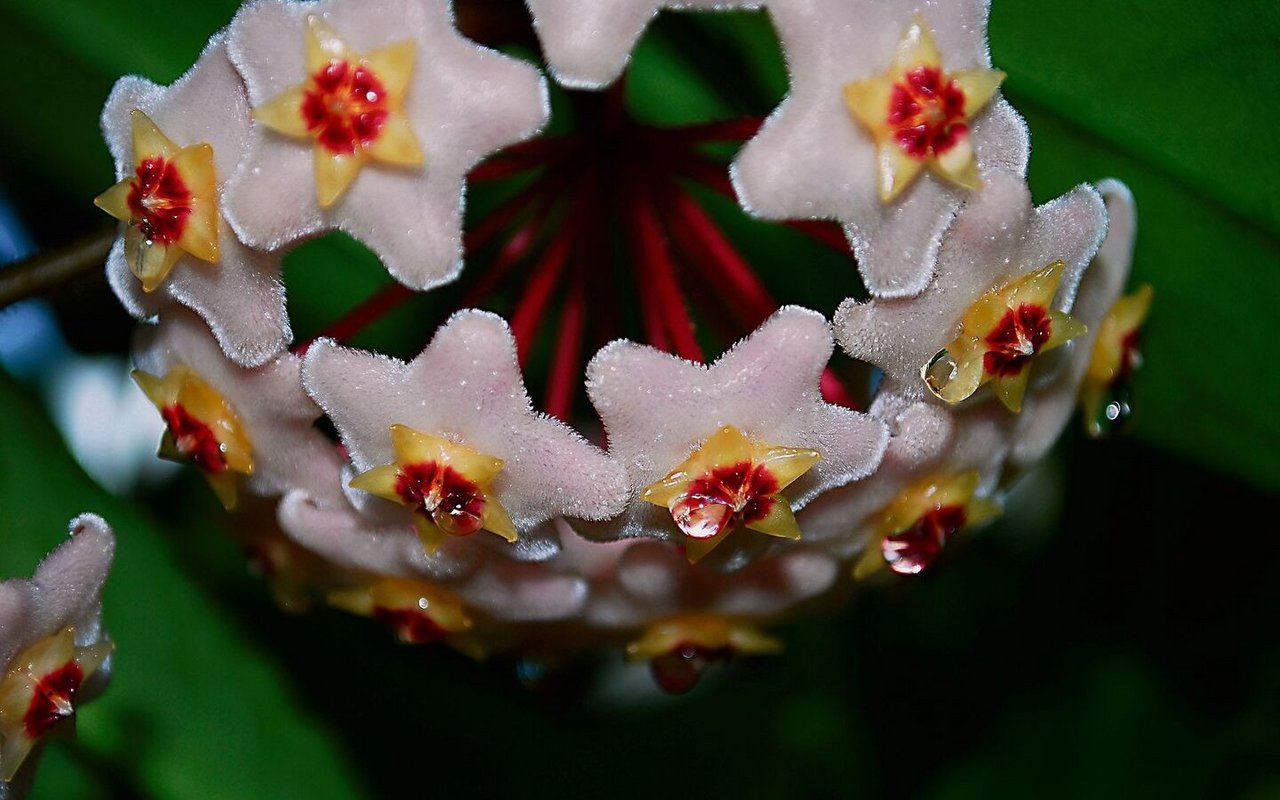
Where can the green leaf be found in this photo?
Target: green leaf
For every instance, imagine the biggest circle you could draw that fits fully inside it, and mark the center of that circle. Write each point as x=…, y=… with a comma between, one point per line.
x=196, y=706
x=1169, y=98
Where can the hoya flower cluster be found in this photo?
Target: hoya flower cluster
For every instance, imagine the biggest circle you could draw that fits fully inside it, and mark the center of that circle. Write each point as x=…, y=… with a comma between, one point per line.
x=702, y=501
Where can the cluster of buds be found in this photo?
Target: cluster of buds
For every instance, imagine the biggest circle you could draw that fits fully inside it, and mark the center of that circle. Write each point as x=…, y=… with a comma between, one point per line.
x=706, y=498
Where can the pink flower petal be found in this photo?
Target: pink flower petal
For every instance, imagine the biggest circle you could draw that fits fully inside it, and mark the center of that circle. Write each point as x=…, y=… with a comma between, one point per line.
x=998, y=237
x=463, y=103
x=657, y=408
x=288, y=453
x=240, y=297
x=467, y=384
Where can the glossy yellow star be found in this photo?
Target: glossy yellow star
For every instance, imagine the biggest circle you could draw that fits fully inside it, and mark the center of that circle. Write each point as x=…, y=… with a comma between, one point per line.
x=39, y=691
x=918, y=114
x=707, y=631
x=446, y=485
x=170, y=203
x=417, y=612
x=351, y=105
x=915, y=526
x=1115, y=357
x=203, y=429
x=999, y=337
x=679, y=649
x=730, y=480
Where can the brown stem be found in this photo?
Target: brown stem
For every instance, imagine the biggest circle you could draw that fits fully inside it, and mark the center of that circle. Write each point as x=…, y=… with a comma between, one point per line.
x=50, y=268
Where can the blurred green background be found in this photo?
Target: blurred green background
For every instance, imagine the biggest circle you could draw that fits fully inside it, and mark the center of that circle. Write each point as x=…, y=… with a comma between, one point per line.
x=1115, y=637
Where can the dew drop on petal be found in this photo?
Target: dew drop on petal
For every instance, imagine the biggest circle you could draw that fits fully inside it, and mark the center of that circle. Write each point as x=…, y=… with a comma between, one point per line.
x=1113, y=412
x=700, y=518
x=911, y=551
x=941, y=370
x=457, y=520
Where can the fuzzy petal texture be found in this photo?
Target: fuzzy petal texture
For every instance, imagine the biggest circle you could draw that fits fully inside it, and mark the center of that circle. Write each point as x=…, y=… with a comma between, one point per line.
x=587, y=43
x=467, y=386
x=517, y=592
x=812, y=160
x=998, y=237
x=288, y=452
x=66, y=591
x=463, y=102
x=657, y=408
x=926, y=440
x=1052, y=401
x=241, y=296
x=344, y=536
x=654, y=581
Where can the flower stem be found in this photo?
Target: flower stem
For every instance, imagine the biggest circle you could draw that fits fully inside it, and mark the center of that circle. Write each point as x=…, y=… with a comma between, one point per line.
x=49, y=269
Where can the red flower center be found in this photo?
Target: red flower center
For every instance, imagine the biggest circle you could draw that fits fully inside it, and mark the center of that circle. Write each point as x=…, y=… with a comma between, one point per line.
x=52, y=700
x=194, y=439
x=926, y=113
x=453, y=502
x=1019, y=335
x=344, y=107
x=910, y=551
x=410, y=625
x=743, y=491
x=159, y=200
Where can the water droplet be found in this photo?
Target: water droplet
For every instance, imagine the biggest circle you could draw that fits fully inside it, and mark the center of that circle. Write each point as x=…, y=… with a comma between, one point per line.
x=700, y=518
x=680, y=670
x=941, y=370
x=1113, y=412
x=911, y=551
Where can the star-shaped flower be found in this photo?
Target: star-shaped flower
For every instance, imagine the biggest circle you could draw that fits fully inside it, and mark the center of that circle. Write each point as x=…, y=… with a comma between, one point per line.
x=998, y=239
x=731, y=480
x=446, y=485
x=1054, y=395
x=917, y=524
x=53, y=652
x=457, y=102
x=587, y=43
x=678, y=649
x=659, y=409
x=169, y=204
x=952, y=440
x=812, y=159
x=417, y=612
x=1104, y=394
x=351, y=106
x=461, y=404
x=228, y=420
x=919, y=114
x=201, y=428
x=1000, y=335
x=175, y=147
x=926, y=439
